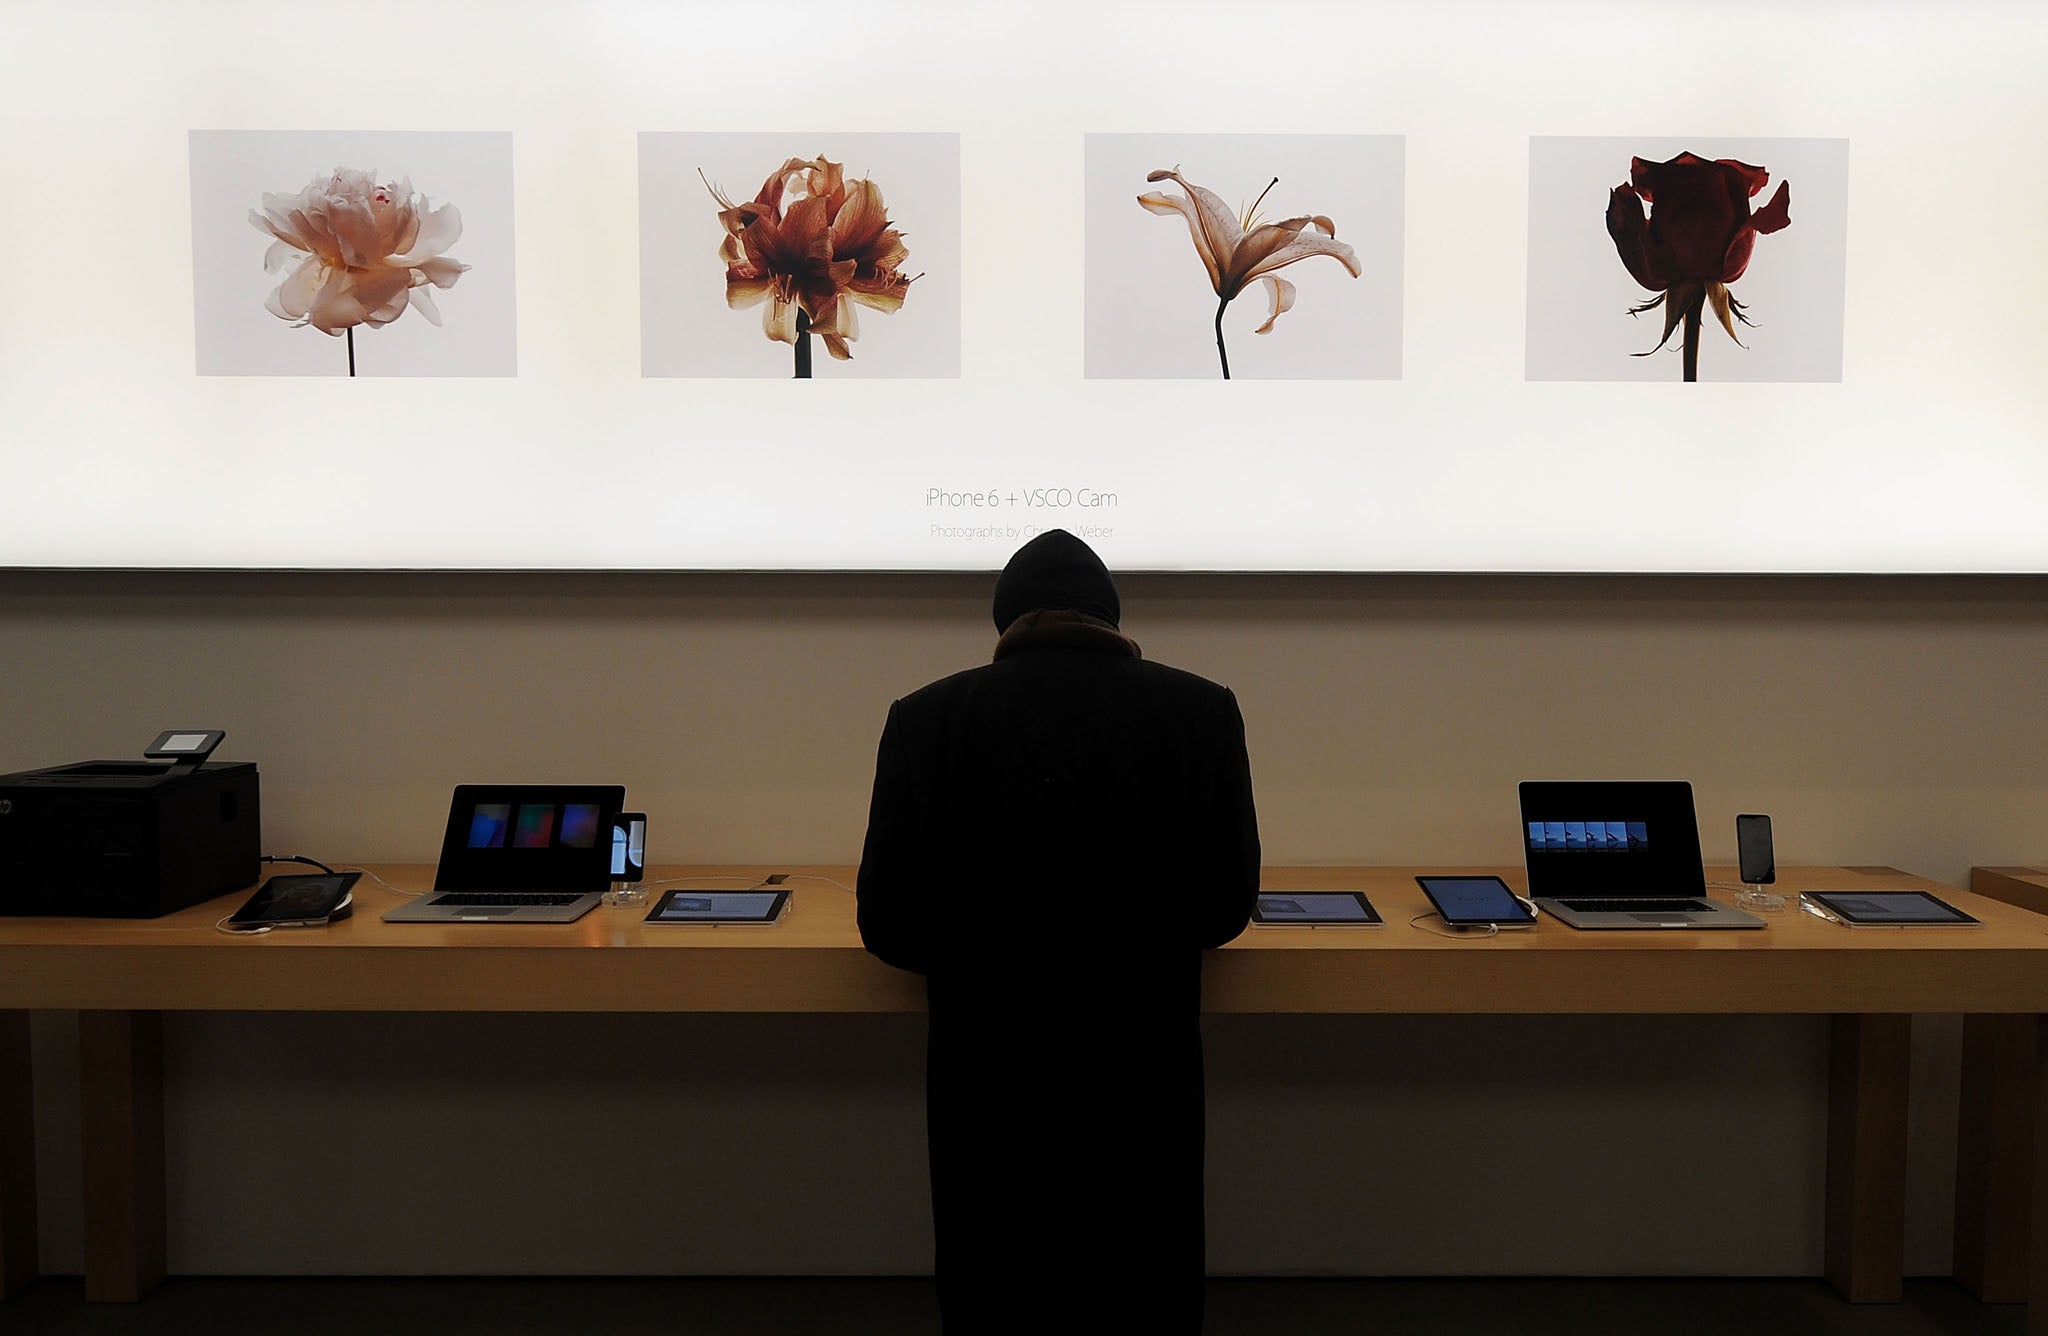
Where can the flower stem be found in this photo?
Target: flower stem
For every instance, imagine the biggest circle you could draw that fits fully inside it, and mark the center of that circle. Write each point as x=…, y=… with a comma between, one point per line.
x=1692, y=337
x=1221, y=351
x=803, y=345
x=351, y=332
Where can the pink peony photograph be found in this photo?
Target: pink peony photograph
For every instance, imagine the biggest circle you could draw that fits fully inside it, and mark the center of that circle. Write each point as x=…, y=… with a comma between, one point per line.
x=336, y=253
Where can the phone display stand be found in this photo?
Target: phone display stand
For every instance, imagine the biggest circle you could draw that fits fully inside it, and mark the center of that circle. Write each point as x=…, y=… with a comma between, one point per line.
x=626, y=893
x=1760, y=900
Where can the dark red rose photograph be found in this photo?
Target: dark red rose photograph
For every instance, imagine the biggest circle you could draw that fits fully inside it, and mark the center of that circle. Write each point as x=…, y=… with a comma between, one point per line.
x=1681, y=261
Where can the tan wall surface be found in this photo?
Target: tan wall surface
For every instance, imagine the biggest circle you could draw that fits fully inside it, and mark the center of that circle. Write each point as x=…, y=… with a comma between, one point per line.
x=1894, y=721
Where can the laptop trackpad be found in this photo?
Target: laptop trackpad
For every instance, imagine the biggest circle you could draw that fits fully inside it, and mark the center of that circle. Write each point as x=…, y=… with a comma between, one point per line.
x=486, y=911
x=1667, y=920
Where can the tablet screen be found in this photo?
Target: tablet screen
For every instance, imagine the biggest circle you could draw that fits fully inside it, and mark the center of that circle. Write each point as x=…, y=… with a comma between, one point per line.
x=1461, y=900
x=296, y=898
x=718, y=907
x=1889, y=907
x=1313, y=907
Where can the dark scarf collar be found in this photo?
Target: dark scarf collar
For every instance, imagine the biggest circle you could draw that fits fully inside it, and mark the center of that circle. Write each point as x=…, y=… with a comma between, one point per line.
x=1057, y=628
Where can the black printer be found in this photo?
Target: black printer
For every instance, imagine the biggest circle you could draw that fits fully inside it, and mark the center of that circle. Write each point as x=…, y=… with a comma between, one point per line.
x=129, y=839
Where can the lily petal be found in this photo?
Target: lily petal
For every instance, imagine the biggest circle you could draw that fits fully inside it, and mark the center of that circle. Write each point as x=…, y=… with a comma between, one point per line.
x=1281, y=294
x=1298, y=243
x=1213, y=226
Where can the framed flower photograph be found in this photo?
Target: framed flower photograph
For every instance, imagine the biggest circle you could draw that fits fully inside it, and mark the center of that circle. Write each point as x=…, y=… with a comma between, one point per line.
x=345, y=253
x=1687, y=259
x=1239, y=256
x=809, y=255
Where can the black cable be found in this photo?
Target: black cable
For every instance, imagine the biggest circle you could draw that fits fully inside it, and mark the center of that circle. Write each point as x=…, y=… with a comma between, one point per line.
x=298, y=858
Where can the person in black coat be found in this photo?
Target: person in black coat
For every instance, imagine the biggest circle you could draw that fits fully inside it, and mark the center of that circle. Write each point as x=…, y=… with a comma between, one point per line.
x=1054, y=840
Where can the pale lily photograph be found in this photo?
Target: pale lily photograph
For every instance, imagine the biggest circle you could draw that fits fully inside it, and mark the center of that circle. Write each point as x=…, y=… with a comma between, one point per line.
x=800, y=256
x=1687, y=260
x=1286, y=263
x=359, y=271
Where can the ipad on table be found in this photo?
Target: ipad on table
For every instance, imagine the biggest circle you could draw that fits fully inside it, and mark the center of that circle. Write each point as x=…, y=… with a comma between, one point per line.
x=756, y=906
x=1314, y=909
x=1888, y=909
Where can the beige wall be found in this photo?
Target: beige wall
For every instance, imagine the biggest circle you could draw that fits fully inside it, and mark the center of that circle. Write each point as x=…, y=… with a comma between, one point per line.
x=1878, y=721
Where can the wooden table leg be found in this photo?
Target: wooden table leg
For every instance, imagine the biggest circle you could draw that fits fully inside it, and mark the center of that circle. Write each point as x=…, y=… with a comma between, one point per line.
x=1994, y=1155
x=17, y=1156
x=2037, y=1244
x=1866, y=1196
x=121, y=1078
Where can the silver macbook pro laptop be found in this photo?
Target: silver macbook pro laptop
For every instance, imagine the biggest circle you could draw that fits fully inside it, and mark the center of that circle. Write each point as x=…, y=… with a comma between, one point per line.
x=521, y=853
x=1619, y=855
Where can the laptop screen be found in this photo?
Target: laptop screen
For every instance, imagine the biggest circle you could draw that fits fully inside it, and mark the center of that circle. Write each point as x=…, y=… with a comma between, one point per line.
x=1611, y=838
x=520, y=837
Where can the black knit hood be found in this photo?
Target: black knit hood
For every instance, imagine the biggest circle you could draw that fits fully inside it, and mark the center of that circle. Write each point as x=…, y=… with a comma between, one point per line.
x=1055, y=570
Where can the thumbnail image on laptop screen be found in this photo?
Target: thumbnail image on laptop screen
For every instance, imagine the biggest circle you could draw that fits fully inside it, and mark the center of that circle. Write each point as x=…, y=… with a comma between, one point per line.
x=1594, y=837
x=510, y=837
x=1621, y=838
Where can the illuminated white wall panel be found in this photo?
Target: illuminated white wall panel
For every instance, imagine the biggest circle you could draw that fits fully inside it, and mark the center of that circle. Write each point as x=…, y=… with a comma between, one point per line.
x=1469, y=401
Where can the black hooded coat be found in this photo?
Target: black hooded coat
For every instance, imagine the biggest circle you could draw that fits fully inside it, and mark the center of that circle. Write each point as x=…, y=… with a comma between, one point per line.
x=1054, y=839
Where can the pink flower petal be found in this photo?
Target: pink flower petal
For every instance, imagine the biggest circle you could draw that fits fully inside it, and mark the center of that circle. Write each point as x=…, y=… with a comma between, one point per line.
x=388, y=310
x=335, y=307
x=437, y=232
x=382, y=289
x=294, y=297
x=440, y=270
x=422, y=300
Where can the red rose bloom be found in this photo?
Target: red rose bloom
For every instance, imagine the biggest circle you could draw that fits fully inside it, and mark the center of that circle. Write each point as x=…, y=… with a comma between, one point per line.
x=1696, y=240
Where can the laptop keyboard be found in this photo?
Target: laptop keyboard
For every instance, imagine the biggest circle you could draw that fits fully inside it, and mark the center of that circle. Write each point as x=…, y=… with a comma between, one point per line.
x=1612, y=906
x=514, y=899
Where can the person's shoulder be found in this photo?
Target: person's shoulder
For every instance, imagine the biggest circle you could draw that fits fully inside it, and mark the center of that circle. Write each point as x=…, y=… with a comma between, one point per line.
x=945, y=691
x=1193, y=686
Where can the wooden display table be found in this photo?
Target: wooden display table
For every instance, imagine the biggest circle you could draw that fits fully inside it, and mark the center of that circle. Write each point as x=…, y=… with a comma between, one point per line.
x=122, y=975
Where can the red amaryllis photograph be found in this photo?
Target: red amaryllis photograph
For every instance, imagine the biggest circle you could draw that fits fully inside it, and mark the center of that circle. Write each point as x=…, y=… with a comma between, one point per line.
x=1229, y=257
x=1680, y=260
x=809, y=247
x=852, y=251
x=1696, y=239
